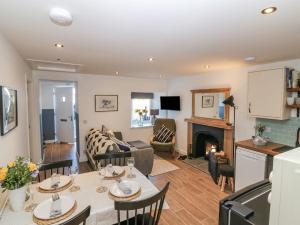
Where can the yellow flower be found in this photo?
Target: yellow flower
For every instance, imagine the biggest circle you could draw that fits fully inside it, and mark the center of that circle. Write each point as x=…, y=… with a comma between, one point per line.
x=32, y=167
x=11, y=164
x=3, y=173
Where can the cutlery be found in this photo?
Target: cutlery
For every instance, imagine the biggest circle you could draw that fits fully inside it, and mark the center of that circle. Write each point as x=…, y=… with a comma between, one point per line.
x=55, y=207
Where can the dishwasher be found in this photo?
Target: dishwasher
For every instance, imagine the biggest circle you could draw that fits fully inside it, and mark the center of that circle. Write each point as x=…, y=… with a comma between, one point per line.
x=250, y=167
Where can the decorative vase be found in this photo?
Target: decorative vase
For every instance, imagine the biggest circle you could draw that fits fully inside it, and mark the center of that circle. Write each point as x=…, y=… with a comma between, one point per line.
x=17, y=198
x=259, y=140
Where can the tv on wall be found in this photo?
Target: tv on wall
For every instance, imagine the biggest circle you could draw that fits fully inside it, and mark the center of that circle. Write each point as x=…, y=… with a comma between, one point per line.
x=170, y=103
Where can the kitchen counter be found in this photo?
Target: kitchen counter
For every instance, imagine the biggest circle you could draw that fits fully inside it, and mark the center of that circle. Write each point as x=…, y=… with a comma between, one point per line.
x=269, y=149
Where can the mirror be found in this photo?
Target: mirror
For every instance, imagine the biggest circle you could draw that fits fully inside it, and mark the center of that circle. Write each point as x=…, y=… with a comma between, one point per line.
x=208, y=103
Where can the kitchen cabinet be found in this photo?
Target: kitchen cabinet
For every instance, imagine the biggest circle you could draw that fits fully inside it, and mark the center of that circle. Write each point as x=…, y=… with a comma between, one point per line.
x=267, y=94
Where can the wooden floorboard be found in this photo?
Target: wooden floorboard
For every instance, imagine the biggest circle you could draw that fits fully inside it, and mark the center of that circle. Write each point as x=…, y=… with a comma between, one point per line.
x=193, y=197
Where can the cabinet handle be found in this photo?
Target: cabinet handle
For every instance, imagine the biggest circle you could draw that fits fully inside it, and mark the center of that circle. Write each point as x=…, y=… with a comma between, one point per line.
x=249, y=108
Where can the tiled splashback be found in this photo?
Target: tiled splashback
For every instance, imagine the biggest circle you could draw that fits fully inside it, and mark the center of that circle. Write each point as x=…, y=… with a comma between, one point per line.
x=283, y=132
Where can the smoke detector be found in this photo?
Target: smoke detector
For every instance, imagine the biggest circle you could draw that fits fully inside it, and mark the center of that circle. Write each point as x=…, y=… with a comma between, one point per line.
x=60, y=17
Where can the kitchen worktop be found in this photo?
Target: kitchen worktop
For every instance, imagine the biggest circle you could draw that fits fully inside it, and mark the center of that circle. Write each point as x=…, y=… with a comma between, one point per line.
x=269, y=149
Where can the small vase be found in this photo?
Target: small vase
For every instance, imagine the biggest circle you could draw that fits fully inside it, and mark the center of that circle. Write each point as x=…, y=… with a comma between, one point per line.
x=17, y=198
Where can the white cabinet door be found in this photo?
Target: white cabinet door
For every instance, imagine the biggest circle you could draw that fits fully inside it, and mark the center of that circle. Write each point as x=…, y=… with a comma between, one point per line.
x=250, y=167
x=267, y=94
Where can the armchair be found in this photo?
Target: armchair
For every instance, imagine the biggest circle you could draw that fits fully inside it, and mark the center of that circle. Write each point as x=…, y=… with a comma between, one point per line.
x=164, y=147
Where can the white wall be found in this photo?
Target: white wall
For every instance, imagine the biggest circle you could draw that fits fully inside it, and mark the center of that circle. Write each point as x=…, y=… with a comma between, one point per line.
x=235, y=79
x=90, y=85
x=13, y=73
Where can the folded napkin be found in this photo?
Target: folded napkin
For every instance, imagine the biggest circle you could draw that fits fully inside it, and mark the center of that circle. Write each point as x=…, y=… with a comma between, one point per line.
x=55, y=180
x=55, y=208
x=124, y=188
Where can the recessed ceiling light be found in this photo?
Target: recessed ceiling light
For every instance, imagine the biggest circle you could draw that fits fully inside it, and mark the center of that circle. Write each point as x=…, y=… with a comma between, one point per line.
x=160, y=76
x=117, y=73
x=58, y=59
x=269, y=10
x=58, y=45
x=249, y=58
x=207, y=66
x=60, y=17
x=150, y=59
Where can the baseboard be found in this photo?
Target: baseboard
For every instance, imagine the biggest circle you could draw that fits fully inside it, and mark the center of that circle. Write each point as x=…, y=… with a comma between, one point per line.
x=180, y=152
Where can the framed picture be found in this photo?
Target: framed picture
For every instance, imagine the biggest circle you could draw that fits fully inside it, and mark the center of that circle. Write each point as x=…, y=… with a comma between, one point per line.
x=207, y=101
x=106, y=103
x=8, y=109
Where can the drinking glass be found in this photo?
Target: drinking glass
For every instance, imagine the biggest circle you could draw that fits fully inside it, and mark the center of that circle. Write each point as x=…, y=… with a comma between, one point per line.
x=130, y=164
x=30, y=191
x=74, y=173
x=101, y=173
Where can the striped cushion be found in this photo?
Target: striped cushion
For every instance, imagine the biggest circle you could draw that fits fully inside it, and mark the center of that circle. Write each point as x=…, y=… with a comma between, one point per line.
x=163, y=135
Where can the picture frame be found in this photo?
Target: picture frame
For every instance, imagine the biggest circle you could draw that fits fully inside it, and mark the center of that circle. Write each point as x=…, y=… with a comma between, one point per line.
x=207, y=101
x=106, y=103
x=8, y=109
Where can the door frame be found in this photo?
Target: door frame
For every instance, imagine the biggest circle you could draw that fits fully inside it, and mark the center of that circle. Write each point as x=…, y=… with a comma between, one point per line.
x=77, y=138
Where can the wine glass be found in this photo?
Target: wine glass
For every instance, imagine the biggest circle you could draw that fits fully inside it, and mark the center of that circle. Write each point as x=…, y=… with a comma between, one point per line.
x=130, y=164
x=31, y=193
x=74, y=173
x=101, y=174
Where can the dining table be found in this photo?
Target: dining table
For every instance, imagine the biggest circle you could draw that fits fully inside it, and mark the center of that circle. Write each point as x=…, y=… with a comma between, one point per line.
x=102, y=205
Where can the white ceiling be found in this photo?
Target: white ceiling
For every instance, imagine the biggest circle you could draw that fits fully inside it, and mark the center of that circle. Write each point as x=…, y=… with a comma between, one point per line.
x=182, y=35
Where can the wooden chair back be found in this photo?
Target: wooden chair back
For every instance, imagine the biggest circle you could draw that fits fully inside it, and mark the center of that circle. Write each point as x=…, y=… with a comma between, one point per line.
x=80, y=218
x=151, y=209
x=58, y=167
x=116, y=159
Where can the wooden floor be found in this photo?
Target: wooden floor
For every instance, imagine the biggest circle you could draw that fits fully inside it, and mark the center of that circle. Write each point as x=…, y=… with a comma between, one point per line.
x=193, y=197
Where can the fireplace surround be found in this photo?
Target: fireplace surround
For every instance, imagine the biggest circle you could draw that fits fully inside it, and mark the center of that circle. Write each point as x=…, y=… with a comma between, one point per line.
x=211, y=130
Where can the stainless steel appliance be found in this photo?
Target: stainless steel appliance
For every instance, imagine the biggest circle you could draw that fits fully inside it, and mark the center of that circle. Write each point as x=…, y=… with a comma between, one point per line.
x=248, y=206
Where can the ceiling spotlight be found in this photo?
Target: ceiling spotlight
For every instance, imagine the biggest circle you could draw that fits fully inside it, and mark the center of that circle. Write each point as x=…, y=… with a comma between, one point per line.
x=160, y=76
x=58, y=45
x=269, y=10
x=206, y=66
x=249, y=58
x=60, y=17
x=151, y=59
x=117, y=73
x=58, y=59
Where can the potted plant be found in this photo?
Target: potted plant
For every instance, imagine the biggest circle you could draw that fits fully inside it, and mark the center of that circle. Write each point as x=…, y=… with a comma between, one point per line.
x=259, y=139
x=15, y=177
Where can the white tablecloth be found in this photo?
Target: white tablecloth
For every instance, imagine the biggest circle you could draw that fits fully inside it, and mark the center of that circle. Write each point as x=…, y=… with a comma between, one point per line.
x=102, y=207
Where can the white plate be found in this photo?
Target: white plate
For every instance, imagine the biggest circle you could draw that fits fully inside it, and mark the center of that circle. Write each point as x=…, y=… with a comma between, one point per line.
x=63, y=181
x=118, y=169
x=42, y=211
x=133, y=185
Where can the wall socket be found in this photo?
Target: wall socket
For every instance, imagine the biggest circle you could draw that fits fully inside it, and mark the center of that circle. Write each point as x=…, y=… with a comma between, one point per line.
x=268, y=129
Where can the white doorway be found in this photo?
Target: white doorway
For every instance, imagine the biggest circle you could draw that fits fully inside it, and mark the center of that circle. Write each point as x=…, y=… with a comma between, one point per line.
x=58, y=113
x=65, y=114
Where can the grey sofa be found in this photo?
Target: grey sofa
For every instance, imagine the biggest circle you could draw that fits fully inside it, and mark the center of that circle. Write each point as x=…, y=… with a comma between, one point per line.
x=144, y=156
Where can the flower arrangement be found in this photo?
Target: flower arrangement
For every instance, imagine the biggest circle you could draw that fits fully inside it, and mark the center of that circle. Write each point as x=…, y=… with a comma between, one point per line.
x=17, y=174
x=260, y=129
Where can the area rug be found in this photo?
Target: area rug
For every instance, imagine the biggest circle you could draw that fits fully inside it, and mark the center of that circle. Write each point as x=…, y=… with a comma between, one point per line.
x=161, y=166
x=198, y=163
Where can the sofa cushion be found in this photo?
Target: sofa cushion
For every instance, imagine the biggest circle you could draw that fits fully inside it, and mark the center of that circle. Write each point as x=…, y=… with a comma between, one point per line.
x=163, y=135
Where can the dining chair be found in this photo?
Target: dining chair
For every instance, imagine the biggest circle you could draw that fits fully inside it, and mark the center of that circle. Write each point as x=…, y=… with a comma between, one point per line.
x=116, y=159
x=79, y=218
x=57, y=167
x=154, y=204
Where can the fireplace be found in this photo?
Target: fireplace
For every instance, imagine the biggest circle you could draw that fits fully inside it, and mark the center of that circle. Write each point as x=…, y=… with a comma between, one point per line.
x=206, y=139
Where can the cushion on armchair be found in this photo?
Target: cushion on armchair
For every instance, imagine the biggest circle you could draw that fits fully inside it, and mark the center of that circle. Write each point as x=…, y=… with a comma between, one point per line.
x=163, y=135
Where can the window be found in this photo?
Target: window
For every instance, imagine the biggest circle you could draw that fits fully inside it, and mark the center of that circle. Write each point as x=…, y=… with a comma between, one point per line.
x=140, y=111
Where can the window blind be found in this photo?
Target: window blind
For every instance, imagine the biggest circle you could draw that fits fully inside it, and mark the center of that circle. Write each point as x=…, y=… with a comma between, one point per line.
x=142, y=95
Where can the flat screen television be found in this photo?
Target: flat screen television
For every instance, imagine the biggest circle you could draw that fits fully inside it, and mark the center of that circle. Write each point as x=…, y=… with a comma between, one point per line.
x=170, y=103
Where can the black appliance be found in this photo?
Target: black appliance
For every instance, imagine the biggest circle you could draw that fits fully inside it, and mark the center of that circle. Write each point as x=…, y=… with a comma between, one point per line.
x=170, y=103
x=248, y=206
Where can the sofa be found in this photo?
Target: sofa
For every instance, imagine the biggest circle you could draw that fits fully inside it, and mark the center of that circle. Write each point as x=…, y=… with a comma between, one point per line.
x=98, y=142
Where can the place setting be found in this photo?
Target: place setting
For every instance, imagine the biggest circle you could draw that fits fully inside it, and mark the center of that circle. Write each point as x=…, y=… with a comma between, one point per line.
x=54, y=209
